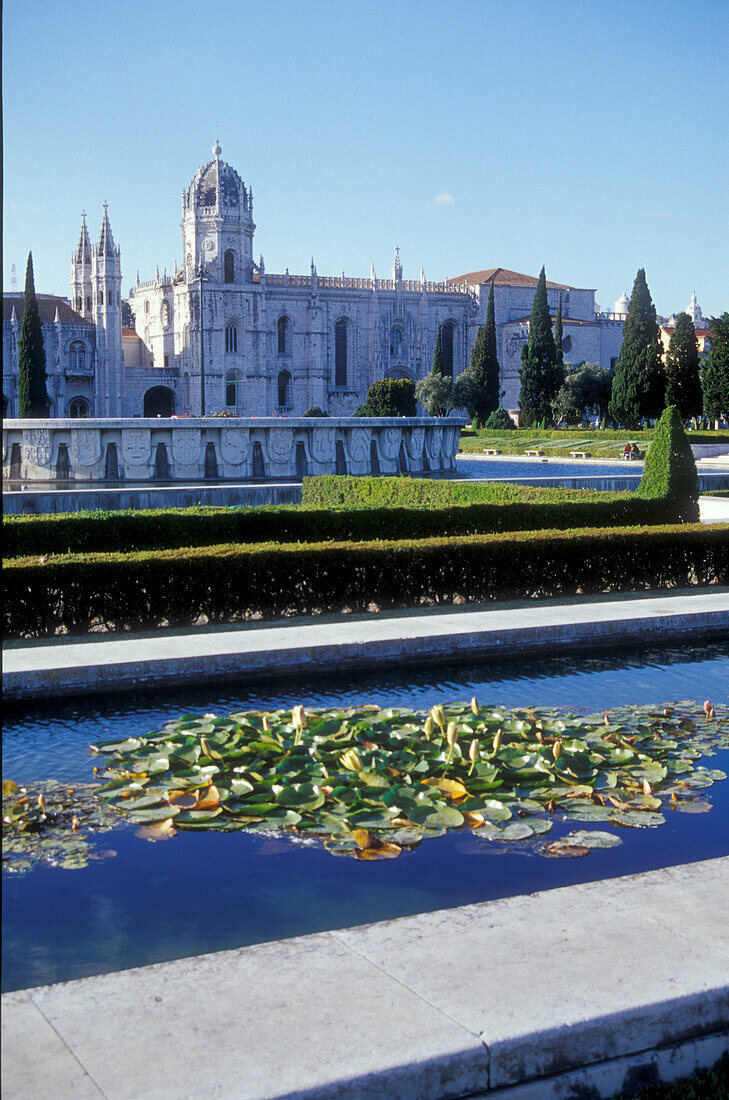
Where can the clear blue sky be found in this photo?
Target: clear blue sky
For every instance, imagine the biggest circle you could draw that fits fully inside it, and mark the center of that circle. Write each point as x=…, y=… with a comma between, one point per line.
x=588, y=136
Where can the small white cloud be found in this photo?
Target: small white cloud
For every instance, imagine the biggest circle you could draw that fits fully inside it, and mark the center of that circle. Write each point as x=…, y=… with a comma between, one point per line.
x=444, y=199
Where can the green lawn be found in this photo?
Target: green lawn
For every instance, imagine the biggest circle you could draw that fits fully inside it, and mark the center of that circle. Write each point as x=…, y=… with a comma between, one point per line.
x=600, y=444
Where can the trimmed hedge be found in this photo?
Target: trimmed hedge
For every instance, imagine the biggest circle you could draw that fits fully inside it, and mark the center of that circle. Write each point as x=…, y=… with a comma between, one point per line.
x=670, y=468
x=230, y=582
x=96, y=532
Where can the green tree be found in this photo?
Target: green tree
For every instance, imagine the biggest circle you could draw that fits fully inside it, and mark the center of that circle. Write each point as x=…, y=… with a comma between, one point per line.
x=389, y=397
x=683, y=384
x=478, y=387
x=499, y=421
x=586, y=386
x=539, y=373
x=716, y=370
x=639, y=381
x=435, y=390
x=670, y=469
x=559, y=357
x=33, y=400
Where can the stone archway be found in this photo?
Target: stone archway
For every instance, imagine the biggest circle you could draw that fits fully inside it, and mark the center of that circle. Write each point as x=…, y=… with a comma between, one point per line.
x=159, y=401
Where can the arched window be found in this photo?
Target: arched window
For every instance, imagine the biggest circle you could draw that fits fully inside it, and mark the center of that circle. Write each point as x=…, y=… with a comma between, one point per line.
x=77, y=356
x=340, y=354
x=284, y=390
x=446, y=338
x=78, y=408
x=146, y=306
x=284, y=336
x=164, y=313
x=229, y=266
x=88, y=302
x=79, y=304
x=233, y=389
x=186, y=338
x=231, y=338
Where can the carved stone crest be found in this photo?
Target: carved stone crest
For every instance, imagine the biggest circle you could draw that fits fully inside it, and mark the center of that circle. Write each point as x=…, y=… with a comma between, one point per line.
x=390, y=442
x=85, y=447
x=280, y=441
x=433, y=441
x=322, y=445
x=414, y=441
x=186, y=446
x=37, y=446
x=359, y=445
x=136, y=443
x=234, y=445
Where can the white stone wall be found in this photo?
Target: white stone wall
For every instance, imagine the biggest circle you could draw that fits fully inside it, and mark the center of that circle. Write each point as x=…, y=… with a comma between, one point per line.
x=242, y=448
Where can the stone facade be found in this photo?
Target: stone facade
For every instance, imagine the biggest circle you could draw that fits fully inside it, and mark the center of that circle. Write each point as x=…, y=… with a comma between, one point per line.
x=268, y=344
x=244, y=448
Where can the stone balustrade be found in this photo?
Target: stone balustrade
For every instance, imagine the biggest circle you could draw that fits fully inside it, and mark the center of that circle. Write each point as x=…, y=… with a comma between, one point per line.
x=240, y=448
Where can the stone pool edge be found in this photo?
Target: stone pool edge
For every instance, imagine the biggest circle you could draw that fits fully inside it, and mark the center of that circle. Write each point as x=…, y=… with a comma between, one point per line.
x=472, y=1002
x=243, y=653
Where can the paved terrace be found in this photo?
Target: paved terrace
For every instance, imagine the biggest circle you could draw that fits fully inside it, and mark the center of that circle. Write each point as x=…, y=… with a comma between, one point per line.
x=258, y=651
x=579, y=991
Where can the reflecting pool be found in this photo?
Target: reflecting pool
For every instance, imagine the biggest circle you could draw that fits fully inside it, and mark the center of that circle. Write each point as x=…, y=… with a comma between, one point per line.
x=212, y=891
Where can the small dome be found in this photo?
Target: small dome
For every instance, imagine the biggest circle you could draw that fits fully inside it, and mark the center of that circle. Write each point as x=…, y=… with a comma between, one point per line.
x=217, y=184
x=622, y=305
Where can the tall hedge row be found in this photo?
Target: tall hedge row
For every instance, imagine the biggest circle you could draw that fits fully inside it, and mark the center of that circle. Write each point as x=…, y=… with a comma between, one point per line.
x=97, y=532
x=229, y=582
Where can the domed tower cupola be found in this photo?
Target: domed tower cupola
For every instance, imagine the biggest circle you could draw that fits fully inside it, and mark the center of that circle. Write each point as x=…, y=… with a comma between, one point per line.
x=217, y=223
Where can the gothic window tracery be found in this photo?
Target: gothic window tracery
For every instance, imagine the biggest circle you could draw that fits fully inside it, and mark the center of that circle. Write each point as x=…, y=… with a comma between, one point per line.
x=233, y=389
x=231, y=339
x=284, y=336
x=340, y=354
x=284, y=389
x=229, y=266
x=77, y=356
x=78, y=408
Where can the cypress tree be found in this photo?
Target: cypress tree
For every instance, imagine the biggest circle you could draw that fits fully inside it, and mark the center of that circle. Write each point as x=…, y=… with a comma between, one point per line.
x=639, y=382
x=32, y=396
x=683, y=385
x=478, y=387
x=559, y=357
x=491, y=358
x=716, y=371
x=539, y=373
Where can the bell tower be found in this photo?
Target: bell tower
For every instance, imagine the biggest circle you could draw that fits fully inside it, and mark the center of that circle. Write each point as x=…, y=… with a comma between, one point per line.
x=106, y=284
x=217, y=223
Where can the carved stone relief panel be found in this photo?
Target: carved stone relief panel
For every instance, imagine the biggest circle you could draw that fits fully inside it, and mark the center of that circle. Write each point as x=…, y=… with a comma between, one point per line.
x=136, y=444
x=234, y=445
x=322, y=445
x=280, y=443
x=359, y=445
x=186, y=446
x=37, y=446
x=414, y=441
x=390, y=442
x=85, y=447
x=433, y=441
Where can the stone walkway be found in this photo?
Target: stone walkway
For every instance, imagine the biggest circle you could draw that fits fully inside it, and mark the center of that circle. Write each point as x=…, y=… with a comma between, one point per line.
x=578, y=991
x=262, y=651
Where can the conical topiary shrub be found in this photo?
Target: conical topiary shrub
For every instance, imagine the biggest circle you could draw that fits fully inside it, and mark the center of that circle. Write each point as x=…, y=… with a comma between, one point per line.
x=670, y=470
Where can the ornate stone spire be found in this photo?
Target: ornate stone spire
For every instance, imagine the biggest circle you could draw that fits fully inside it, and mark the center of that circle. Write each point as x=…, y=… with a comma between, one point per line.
x=83, y=248
x=106, y=245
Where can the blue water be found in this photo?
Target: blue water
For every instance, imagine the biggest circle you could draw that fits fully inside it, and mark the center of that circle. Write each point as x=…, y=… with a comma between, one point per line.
x=506, y=470
x=207, y=892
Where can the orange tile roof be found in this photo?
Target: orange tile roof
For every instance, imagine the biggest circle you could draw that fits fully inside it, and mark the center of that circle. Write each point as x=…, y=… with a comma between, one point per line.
x=501, y=276
x=47, y=306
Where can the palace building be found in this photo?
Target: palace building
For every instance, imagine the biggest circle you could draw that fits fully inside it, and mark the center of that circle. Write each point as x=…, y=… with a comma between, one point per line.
x=221, y=334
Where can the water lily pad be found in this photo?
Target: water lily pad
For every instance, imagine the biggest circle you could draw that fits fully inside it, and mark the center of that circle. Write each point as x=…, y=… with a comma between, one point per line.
x=560, y=849
x=589, y=838
x=637, y=819
x=517, y=830
x=692, y=806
